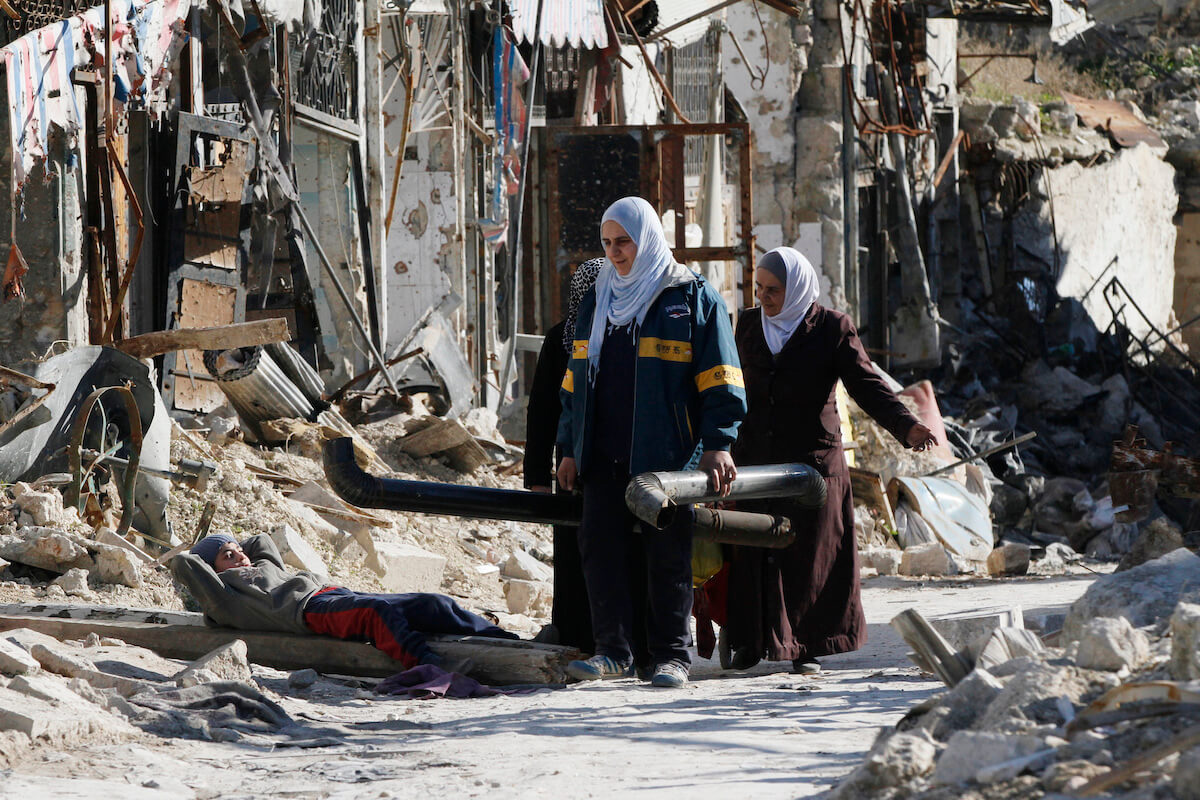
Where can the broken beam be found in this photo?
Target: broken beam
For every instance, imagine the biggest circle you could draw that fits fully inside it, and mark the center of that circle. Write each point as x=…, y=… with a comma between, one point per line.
x=496, y=661
x=241, y=334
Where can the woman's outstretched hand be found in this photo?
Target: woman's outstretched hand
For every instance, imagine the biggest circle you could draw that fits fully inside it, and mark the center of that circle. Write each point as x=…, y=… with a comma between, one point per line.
x=920, y=437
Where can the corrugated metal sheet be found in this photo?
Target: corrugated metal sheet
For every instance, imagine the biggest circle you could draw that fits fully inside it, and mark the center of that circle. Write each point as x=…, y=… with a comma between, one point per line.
x=671, y=12
x=577, y=23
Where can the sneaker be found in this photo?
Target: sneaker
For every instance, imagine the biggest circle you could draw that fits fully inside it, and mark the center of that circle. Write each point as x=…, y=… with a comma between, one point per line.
x=669, y=675
x=598, y=668
x=806, y=666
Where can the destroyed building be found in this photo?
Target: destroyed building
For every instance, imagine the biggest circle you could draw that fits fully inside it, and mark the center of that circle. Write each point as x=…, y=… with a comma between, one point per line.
x=269, y=223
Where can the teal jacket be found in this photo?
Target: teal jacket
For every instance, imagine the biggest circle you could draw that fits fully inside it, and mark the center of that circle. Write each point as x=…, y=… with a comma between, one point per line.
x=688, y=387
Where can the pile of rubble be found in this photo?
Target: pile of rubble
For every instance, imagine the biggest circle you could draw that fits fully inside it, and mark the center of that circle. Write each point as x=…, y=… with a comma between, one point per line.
x=1105, y=704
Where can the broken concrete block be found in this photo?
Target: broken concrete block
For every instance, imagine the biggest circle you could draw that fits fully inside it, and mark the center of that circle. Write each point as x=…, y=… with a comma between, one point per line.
x=299, y=553
x=525, y=567
x=885, y=560
x=44, y=506
x=1009, y=558
x=116, y=565
x=61, y=660
x=1143, y=595
x=227, y=663
x=1002, y=646
x=303, y=678
x=963, y=704
x=926, y=559
x=1111, y=644
x=892, y=762
x=965, y=627
x=409, y=569
x=1186, y=779
x=1157, y=538
x=1185, y=642
x=527, y=597
x=45, y=548
x=15, y=660
x=968, y=752
x=74, y=582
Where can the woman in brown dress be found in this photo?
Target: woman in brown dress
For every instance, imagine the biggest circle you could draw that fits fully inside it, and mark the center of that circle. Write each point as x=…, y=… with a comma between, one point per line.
x=802, y=602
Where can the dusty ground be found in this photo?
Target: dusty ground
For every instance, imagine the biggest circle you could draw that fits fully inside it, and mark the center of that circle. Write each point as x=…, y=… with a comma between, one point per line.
x=765, y=734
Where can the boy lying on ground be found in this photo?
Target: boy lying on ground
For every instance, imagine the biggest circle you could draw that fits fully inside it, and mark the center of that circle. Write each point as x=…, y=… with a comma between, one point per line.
x=246, y=587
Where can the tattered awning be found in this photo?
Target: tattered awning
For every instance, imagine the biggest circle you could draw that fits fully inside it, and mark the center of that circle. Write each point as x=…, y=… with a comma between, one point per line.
x=575, y=23
x=1120, y=122
x=685, y=21
x=147, y=36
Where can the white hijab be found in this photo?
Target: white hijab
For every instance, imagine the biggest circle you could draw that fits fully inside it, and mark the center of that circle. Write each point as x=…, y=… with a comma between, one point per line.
x=800, y=289
x=621, y=299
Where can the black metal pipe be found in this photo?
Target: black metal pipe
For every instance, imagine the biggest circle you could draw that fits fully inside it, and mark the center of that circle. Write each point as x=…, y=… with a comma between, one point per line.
x=742, y=527
x=654, y=497
x=362, y=489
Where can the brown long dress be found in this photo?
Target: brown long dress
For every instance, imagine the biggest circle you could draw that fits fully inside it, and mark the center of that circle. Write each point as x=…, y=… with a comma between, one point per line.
x=804, y=601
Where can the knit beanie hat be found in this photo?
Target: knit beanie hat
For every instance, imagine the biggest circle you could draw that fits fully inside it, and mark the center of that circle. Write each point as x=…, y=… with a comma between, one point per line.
x=208, y=547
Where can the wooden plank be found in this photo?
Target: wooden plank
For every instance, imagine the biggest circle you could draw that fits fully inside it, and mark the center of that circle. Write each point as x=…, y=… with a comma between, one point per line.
x=439, y=435
x=496, y=661
x=156, y=616
x=242, y=334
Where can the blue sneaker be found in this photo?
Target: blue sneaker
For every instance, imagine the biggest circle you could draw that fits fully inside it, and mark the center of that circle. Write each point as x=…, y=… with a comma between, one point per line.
x=669, y=675
x=598, y=668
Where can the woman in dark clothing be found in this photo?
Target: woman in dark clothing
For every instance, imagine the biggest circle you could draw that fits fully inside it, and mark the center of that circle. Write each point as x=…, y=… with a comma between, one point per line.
x=571, y=615
x=803, y=602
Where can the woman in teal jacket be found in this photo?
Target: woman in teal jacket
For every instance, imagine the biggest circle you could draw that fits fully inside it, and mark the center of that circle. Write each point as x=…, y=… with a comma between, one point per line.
x=654, y=376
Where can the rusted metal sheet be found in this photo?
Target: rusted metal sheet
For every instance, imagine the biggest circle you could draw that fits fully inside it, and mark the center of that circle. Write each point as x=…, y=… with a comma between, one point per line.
x=1111, y=116
x=10, y=377
x=1137, y=474
x=201, y=305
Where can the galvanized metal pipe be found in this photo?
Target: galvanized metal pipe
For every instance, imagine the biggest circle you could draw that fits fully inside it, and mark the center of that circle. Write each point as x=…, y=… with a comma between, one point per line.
x=654, y=497
x=259, y=390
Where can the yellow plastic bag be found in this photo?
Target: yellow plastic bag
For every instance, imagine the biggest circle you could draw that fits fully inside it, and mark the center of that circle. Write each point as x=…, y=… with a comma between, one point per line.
x=707, y=560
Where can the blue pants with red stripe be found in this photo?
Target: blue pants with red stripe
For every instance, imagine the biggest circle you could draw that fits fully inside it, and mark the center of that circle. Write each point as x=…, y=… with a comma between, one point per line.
x=394, y=623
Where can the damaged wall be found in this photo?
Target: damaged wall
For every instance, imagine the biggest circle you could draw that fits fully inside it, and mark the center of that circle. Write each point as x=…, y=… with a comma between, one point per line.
x=1117, y=213
x=792, y=153
x=49, y=232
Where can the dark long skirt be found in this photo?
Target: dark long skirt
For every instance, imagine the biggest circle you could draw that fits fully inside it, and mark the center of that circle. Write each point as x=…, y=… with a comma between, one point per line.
x=802, y=601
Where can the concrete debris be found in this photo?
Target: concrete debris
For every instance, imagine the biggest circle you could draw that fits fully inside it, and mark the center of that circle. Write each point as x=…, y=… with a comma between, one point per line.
x=16, y=660
x=960, y=630
x=523, y=566
x=409, y=569
x=969, y=752
x=1158, y=537
x=297, y=552
x=1185, y=781
x=1010, y=558
x=926, y=559
x=1185, y=642
x=45, y=548
x=526, y=597
x=1111, y=644
x=884, y=560
x=1144, y=595
x=43, y=508
x=118, y=565
x=74, y=582
x=226, y=663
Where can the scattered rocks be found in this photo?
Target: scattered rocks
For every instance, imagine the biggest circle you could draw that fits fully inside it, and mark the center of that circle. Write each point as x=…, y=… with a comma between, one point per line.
x=893, y=760
x=1144, y=595
x=969, y=752
x=297, y=552
x=16, y=660
x=523, y=566
x=926, y=559
x=226, y=663
x=1186, y=779
x=1111, y=644
x=74, y=582
x=409, y=569
x=45, y=548
x=525, y=596
x=303, y=678
x=1158, y=537
x=1009, y=558
x=885, y=560
x=117, y=565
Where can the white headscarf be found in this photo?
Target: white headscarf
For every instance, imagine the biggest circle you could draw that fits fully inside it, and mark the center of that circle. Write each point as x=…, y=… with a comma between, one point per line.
x=621, y=299
x=800, y=289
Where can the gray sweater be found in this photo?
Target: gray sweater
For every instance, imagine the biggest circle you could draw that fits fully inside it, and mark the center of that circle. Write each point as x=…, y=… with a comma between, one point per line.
x=264, y=597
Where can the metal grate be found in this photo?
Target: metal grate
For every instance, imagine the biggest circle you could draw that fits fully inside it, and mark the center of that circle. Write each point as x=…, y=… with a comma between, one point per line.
x=692, y=85
x=330, y=82
x=36, y=14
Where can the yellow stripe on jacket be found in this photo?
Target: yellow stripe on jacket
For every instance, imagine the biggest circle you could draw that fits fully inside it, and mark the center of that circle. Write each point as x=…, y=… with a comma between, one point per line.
x=720, y=375
x=666, y=349
x=568, y=383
